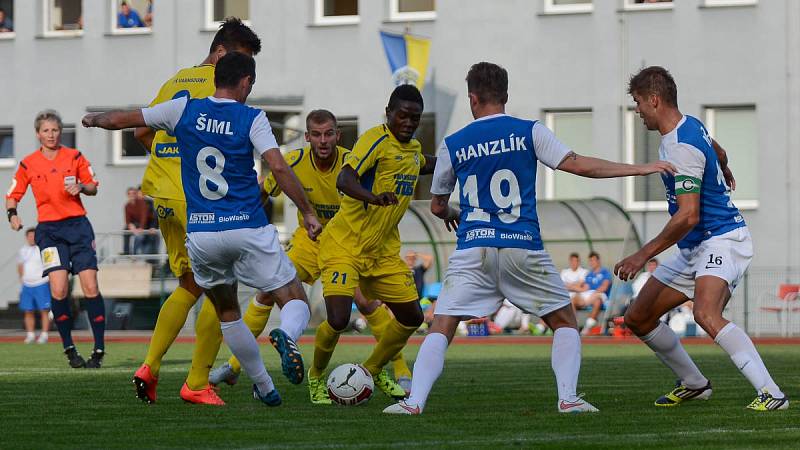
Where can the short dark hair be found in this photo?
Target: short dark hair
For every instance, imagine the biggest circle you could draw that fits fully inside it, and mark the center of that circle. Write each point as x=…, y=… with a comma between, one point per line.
x=489, y=82
x=30, y=230
x=594, y=254
x=123, y=4
x=320, y=116
x=407, y=93
x=574, y=255
x=234, y=34
x=232, y=67
x=655, y=80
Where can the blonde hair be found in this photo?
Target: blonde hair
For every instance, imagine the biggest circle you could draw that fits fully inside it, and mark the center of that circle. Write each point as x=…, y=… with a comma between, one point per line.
x=47, y=115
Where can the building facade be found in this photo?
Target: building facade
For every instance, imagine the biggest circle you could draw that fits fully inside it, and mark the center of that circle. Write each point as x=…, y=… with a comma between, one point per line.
x=736, y=63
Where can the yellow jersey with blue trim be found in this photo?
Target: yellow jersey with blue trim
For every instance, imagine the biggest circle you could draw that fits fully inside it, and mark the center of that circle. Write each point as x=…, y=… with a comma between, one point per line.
x=162, y=178
x=319, y=186
x=383, y=164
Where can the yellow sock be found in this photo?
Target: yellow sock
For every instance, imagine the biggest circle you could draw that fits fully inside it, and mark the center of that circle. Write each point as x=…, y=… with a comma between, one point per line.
x=208, y=338
x=255, y=318
x=324, y=344
x=170, y=320
x=393, y=339
x=378, y=320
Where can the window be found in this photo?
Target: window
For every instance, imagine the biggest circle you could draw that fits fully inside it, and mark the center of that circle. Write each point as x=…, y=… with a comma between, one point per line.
x=134, y=17
x=6, y=19
x=568, y=6
x=729, y=2
x=405, y=10
x=641, y=146
x=68, y=136
x=6, y=146
x=648, y=4
x=574, y=129
x=127, y=151
x=335, y=12
x=218, y=10
x=736, y=130
x=348, y=127
x=63, y=17
x=426, y=135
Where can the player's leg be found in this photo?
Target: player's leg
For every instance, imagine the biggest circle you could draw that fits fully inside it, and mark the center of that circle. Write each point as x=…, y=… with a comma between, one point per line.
x=62, y=314
x=294, y=315
x=378, y=317
x=642, y=317
x=96, y=311
x=255, y=317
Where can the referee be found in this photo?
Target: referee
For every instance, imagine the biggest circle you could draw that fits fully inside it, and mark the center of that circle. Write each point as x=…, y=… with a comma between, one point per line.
x=57, y=176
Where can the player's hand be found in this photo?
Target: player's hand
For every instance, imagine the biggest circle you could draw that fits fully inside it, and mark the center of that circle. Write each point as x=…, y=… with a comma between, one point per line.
x=74, y=189
x=313, y=227
x=16, y=223
x=630, y=266
x=726, y=172
x=660, y=167
x=385, y=199
x=452, y=221
x=88, y=120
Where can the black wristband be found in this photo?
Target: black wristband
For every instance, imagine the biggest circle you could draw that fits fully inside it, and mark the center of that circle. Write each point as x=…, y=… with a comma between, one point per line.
x=11, y=213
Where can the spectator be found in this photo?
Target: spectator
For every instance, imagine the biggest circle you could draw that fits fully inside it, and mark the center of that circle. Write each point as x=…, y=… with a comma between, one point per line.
x=148, y=17
x=642, y=278
x=35, y=294
x=6, y=25
x=419, y=263
x=128, y=17
x=150, y=241
x=598, y=286
x=573, y=278
x=64, y=233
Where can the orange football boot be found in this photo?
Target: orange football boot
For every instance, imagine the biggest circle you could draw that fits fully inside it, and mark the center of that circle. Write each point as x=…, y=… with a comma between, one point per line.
x=145, y=384
x=205, y=396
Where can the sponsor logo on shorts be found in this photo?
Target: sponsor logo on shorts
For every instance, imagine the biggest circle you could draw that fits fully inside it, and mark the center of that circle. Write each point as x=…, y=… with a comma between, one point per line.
x=163, y=212
x=480, y=233
x=241, y=217
x=202, y=218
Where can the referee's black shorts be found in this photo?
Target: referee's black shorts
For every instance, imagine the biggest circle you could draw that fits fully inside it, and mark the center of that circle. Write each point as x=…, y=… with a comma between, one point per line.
x=67, y=245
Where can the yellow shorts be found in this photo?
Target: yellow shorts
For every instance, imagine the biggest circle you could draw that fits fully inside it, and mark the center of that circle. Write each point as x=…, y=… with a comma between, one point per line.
x=172, y=222
x=385, y=278
x=303, y=252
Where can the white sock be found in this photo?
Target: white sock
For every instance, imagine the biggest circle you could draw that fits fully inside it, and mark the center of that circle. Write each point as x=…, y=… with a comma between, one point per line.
x=427, y=368
x=669, y=350
x=243, y=345
x=504, y=316
x=294, y=318
x=566, y=361
x=30, y=335
x=525, y=321
x=590, y=323
x=746, y=358
x=541, y=327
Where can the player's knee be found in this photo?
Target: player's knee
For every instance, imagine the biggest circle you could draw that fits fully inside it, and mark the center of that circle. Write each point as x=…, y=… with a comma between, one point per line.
x=58, y=292
x=703, y=317
x=338, y=322
x=412, y=318
x=634, y=321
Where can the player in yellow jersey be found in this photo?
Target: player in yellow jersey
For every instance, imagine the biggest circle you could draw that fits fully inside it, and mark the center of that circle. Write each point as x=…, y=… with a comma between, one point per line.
x=162, y=182
x=360, y=246
x=317, y=166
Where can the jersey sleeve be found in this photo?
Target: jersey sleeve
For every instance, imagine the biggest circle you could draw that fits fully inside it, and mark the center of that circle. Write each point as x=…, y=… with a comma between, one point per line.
x=19, y=184
x=549, y=150
x=365, y=153
x=85, y=172
x=444, y=177
x=690, y=164
x=261, y=134
x=165, y=116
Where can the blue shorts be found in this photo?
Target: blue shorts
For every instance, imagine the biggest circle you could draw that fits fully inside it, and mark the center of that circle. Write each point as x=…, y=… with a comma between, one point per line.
x=67, y=245
x=36, y=298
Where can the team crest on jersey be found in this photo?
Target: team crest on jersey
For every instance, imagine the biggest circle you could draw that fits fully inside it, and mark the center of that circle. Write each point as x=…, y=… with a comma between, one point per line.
x=163, y=212
x=416, y=158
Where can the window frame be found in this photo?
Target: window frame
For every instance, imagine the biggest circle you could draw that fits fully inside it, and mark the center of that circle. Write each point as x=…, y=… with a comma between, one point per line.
x=549, y=122
x=115, y=30
x=709, y=115
x=47, y=32
x=629, y=5
x=320, y=19
x=213, y=25
x=8, y=162
x=630, y=202
x=116, y=151
x=581, y=8
x=396, y=16
x=724, y=3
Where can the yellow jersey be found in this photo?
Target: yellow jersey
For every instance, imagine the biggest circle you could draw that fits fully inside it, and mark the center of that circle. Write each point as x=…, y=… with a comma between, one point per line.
x=162, y=178
x=320, y=187
x=384, y=164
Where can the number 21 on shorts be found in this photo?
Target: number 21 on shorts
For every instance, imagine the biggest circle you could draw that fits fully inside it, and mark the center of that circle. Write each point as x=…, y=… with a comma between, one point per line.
x=339, y=278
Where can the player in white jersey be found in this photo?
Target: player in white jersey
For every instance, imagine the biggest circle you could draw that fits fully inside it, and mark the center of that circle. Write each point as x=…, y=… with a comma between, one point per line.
x=229, y=238
x=714, y=250
x=500, y=252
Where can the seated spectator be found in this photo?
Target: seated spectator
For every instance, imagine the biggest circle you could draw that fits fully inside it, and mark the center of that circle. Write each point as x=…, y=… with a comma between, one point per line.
x=128, y=17
x=140, y=221
x=573, y=277
x=419, y=263
x=6, y=25
x=642, y=278
x=598, y=284
x=148, y=17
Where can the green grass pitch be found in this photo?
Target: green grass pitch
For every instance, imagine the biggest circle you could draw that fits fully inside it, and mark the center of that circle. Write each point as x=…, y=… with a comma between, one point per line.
x=495, y=396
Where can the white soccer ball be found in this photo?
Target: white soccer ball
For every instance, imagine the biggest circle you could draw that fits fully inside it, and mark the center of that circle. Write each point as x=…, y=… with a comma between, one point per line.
x=350, y=384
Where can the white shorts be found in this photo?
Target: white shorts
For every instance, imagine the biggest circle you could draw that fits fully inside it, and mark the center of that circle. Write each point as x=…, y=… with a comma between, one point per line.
x=585, y=296
x=726, y=256
x=252, y=256
x=478, y=279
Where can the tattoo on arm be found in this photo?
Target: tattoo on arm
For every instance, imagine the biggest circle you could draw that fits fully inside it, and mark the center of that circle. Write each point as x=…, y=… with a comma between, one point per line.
x=572, y=155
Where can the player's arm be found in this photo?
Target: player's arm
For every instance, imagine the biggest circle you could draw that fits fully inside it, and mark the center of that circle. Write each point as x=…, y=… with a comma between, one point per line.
x=145, y=137
x=589, y=167
x=164, y=116
x=429, y=166
x=363, y=157
x=442, y=185
x=722, y=156
x=114, y=120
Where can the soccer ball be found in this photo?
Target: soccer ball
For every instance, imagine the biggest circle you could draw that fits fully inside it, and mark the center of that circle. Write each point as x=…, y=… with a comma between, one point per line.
x=350, y=384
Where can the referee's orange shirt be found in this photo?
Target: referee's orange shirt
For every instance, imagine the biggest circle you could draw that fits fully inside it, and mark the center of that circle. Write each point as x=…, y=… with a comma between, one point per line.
x=48, y=180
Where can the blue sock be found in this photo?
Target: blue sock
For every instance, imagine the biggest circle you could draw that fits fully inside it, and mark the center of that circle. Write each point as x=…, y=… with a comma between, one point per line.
x=96, y=309
x=62, y=316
